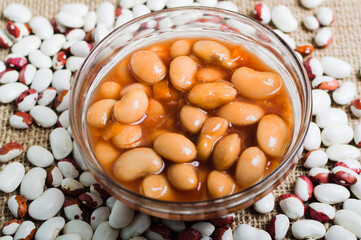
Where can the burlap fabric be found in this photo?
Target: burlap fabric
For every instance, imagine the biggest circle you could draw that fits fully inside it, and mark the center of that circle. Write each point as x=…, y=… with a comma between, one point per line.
x=346, y=45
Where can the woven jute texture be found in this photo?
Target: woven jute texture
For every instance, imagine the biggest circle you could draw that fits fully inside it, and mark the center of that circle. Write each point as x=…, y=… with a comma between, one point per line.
x=346, y=45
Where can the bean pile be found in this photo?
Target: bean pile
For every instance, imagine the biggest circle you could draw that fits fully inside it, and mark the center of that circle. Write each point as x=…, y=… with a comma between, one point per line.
x=61, y=200
x=210, y=124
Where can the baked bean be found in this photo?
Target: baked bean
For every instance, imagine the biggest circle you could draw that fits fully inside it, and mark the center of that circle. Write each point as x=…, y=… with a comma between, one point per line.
x=182, y=71
x=155, y=108
x=110, y=90
x=156, y=186
x=211, y=51
x=192, y=118
x=226, y=151
x=212, y=130
x=131, y=107
x=181, y=48
x=251, y=166
x=99, y=113
x=175, y=147
x=183, y=176
x=209, y=74
x=128, y=137
x=256, y=85
x=136, y=163
x=147, y=66
x=272, y=135
x=211, y=95
x=240, y=113
x=141, y=86
x=106, y=153
x=220, y=184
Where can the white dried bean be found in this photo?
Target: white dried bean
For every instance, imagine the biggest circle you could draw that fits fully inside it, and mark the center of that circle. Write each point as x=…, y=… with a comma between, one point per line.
x=292, y=206
x=345, y=93
x=17, y=13
x=76, y=8
x=60, y=142
x=311, y=3
x=245, y=232
x=69, y=236
x=323, y=37
x=100, y=32
x=80, y=227
x=303, y=188
x=121, y=215
x=105, y=231
x=9, y=76
x=321, y=212
x=313, y=67
x=139, y=224
x=228, y=5
x=75, y=34
x=337, y=134
x=313, y=137
x=265, y=204
x=308, y=229
x=279, y=226
x=205, y=228
x=356, y=189
x=26, y=231
x=68, y=168
x=11, y=177
x=283, y=19
x=80, y=48
x=27, y=74
x=262, y=13
x=341, y=152
x=321, y=101
x=69, y=19
x=32, y=185
x=335, y=67
x=179, y=3
x=105, y=14
x=311, y=23
x=140, y=10
x=156, y=5
x=87, y=179
x=337, y=232
x=47, y=205
x=126, y=16
x=315, y=158
x=10, y=91
x=26, y=45
x=331, y=193
x=5, y=40
x=73, y=63
x=325, y=16
x=77, y=157
x=42, y=79
x=61, y=80
x=349, y=220
x=50, y=228
x=53, y=44
x=174, y=225
x=353, y=205
x=90, y=20
x=44, y=116
x=47, y=96
x=40, y=60
x=331, y=116
x=99, y=216
x=41, y=27
x=39, y=156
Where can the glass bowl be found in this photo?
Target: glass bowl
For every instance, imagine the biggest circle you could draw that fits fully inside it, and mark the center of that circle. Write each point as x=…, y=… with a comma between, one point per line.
x=192, y=22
